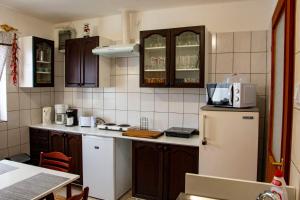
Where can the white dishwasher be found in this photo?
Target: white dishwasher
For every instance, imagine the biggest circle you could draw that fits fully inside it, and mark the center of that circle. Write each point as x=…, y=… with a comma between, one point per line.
x=106, y=166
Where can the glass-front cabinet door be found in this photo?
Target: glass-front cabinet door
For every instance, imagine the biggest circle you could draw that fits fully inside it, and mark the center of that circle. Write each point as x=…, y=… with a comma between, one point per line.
x=154, y=58
x=43, y=62
x=187, y=56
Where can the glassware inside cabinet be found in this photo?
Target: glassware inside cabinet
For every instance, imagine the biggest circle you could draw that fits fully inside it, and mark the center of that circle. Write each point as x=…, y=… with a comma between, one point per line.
x=187, y=58
x=155, y=59
x=43, y=63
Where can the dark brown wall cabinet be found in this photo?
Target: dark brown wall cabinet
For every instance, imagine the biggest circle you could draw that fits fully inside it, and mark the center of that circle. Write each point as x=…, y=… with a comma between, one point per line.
x=81, y=65
x=49, y=141
x=174, y=57
x=159, y=170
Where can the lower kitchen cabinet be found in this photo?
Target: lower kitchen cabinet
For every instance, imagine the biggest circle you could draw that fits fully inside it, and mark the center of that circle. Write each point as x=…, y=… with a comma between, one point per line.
x=56, y=141
x=49, y=141
x=159, y=169
x=178, y=161
x=147, y=170
x=39, y=142
x=73, y=148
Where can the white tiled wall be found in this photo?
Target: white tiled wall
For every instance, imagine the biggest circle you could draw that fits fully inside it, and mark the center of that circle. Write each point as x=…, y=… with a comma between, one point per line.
x=24, y=108
x=126, y=102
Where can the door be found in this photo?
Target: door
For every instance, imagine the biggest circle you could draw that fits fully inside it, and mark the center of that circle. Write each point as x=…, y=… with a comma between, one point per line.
x=154, y=58
x=90, y=62
x=228, y=138
x=98, y=166
x=56, y=141
x=187, y=57
x=281, y=100
x=73, y=148
x=178, y=160
x=43, y=63
x=147, y=170
x=73, y=59
x=39, y=142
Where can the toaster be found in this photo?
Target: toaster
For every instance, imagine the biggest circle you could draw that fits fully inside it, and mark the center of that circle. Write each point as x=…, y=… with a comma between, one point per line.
x=84, y=121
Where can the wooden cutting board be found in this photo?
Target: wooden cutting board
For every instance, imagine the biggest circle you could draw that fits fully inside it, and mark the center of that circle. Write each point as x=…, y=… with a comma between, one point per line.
x=142, y=133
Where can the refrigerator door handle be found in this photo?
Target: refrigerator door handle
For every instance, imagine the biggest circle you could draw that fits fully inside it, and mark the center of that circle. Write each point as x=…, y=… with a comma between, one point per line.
x=204, y=139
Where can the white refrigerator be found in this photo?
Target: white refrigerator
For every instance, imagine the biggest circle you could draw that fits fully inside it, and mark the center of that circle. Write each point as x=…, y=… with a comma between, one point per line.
x=229, y=144
x=106, y=166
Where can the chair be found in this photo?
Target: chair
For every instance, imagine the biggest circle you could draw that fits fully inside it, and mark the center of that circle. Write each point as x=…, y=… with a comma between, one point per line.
x=82, y=196
x=56, y=161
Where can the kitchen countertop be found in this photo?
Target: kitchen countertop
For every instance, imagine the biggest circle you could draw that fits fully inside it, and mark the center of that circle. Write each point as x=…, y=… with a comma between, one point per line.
x=228, y=109
x=192, y=141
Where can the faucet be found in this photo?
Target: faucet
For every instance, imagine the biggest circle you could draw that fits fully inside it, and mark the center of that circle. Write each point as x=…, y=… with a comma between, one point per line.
x=268, y=195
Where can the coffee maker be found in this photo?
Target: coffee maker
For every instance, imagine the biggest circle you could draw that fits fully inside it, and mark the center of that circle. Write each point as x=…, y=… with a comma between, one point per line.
x=72, y=119
x=60, y=113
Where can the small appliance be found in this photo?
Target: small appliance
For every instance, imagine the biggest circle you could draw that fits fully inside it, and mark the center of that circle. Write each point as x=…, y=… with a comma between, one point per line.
x=60, y=113
x=72, y=119
x=181, y=132
x=114, y=127
x=85, y=121
x=47, y=113
x=236, y=95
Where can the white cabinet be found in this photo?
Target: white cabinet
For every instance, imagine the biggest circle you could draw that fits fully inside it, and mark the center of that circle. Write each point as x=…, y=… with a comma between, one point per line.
x=36, y=62
x=106, y=166
x=231, y=147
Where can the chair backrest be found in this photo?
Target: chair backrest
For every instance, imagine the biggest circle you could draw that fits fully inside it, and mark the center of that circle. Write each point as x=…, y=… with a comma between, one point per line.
x=82, y=196
x=56, y=161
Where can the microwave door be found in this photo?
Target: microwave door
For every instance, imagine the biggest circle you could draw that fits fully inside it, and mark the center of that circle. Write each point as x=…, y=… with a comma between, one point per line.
x=221, y=95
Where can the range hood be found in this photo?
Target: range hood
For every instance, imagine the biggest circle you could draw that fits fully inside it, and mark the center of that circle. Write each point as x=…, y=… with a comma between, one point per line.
x=125, y=49
x=122, y=50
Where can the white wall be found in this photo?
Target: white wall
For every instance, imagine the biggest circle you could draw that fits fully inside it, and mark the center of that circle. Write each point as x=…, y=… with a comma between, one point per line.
x=23, y=105
x=295, y=163
x=223, y=17
x=27, y=25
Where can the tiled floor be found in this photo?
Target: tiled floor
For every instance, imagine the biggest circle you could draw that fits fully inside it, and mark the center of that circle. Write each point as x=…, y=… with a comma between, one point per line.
x=76, y=190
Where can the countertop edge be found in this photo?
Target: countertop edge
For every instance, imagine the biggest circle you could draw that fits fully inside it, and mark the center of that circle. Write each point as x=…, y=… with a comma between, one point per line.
x=194, y=141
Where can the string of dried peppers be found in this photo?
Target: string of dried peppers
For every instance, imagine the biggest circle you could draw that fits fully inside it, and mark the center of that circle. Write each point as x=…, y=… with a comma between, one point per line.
x=14, y=60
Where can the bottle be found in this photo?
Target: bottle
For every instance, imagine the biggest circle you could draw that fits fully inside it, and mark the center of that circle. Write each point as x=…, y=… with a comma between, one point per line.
x=279, y=185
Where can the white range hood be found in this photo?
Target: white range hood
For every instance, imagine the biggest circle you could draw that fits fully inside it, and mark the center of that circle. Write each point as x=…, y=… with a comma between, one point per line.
x=126, y=49
x=122, y=50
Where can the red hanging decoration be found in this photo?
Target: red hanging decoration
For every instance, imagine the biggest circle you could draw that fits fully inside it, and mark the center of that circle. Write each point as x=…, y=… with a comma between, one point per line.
x=14, y=60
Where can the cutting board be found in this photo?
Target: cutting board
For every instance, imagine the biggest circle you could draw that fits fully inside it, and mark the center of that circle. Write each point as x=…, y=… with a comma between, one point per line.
x=142, y=133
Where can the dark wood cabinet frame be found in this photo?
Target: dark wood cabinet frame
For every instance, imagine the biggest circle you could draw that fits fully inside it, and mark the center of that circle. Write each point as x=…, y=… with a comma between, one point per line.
x=36, y=40
x=145, y=34
x=170, y=35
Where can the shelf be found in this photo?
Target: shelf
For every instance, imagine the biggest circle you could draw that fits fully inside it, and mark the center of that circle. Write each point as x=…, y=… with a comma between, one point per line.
x=154, y=48
x=43, y=62
x=43, y=72
x=155, y=70
x=188, y=46
x=187, y=69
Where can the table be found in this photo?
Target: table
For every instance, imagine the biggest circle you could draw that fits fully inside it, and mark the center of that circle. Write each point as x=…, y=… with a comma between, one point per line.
x=20, y=172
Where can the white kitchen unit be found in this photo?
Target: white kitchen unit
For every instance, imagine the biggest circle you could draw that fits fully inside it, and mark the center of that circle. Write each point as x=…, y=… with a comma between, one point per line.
x=229, y=142
x=36, y=62
x=106, y=166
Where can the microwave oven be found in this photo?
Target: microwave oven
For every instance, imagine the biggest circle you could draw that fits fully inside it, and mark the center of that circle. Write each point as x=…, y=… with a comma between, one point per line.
x=236, y=95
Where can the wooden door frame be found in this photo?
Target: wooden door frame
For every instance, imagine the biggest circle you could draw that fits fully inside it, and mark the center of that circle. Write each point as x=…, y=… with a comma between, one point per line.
x=288, y=7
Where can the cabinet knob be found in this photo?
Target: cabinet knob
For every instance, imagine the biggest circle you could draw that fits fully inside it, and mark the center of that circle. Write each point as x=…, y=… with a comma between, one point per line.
x=165, y=148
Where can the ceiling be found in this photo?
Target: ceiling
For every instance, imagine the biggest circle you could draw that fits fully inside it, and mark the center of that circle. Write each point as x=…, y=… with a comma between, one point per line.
x=67, y=10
